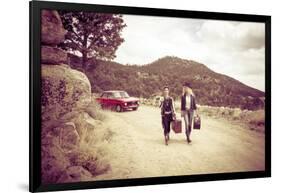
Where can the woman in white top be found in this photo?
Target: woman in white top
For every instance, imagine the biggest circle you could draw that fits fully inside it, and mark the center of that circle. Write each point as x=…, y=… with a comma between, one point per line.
x=188, y=108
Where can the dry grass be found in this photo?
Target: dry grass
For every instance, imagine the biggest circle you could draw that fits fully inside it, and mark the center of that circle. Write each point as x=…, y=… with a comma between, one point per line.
x=94, y=110
x=92, y=153
x=93, y=148
x=254, y=119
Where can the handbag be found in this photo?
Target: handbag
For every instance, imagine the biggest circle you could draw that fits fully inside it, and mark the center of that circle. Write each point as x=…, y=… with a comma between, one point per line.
x=197, y=122
x=176, y=126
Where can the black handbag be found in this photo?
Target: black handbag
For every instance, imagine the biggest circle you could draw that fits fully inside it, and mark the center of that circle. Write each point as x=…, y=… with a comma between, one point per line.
x=197, y=122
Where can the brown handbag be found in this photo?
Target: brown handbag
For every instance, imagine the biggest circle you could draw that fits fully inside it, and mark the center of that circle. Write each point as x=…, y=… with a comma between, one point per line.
x=176, y=126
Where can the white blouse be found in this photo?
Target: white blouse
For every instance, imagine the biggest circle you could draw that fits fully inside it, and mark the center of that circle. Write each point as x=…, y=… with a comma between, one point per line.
x=188, y=101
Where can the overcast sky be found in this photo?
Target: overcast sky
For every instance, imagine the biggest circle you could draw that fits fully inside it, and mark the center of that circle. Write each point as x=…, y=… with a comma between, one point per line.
x=232, y=48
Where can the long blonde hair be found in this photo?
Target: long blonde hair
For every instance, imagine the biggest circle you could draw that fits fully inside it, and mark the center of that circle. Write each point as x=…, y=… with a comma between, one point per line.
x=185, y=92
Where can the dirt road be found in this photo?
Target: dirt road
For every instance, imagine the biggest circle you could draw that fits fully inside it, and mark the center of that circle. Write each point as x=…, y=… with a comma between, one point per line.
x=137, y=147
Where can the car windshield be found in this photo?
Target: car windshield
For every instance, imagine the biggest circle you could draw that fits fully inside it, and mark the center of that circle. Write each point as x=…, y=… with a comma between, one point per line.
x=121, y=94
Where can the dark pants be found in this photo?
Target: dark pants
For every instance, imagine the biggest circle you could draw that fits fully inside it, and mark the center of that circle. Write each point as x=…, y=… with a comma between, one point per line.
x=166, y=123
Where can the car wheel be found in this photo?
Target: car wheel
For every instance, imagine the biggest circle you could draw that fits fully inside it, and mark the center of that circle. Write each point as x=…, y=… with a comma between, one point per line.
x=136, y=108
x=118, y=108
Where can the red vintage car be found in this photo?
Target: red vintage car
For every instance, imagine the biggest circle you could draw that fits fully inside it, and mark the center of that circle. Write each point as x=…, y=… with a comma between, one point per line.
x=118, y=100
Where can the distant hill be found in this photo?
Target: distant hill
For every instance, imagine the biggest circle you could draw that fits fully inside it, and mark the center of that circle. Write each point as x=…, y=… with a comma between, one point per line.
x=211, y=88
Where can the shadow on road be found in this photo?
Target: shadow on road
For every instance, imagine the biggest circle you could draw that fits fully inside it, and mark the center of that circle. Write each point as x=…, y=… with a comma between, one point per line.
x=171, y=141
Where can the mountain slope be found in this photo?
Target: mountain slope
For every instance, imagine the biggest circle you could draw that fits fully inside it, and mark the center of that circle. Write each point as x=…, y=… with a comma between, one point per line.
x=211, y=88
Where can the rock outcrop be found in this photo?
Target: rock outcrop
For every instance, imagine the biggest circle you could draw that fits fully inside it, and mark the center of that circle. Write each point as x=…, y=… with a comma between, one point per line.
x=75, y=174
x=65, y=94
x=52, y=31
x=64, y=90
x=53, y=55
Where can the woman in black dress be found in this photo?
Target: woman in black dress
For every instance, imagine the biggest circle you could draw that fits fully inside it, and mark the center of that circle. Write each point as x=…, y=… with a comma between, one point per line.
x=167, y=113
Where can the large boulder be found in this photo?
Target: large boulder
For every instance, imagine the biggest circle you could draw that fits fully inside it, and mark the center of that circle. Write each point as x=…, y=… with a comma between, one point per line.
x=83, y=126
x=75, y=174
x=69, y=137
x=52, y=31
x=53, y=55
x=63, y=91
x=53, y=159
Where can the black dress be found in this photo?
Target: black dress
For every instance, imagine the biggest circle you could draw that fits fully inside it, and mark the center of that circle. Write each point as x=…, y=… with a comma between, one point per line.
x=167, y=114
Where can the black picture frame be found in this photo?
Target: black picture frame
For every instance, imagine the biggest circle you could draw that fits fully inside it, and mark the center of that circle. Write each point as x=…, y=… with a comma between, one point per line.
x=35, y=87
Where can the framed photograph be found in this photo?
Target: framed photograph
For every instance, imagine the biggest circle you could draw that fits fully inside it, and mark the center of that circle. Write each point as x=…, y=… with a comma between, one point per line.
x=127, y=96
